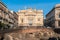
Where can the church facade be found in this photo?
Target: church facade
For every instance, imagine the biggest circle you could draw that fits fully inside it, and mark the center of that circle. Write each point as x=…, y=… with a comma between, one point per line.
x=30, y=17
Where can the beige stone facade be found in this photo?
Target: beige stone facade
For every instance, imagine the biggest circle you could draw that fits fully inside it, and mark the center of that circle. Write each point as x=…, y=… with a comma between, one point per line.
x=7, y=17
x=30, y=17
x=53, y=17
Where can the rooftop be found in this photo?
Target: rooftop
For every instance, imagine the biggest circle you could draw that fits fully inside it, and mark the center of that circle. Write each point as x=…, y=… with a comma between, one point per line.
x=57, y=5
x=2, y=4
x=30, y=9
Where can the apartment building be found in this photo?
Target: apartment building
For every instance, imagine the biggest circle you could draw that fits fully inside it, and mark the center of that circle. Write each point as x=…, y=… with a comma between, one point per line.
x=15, y=19
x=30, y=17
x=53, y=17
x=6, y=16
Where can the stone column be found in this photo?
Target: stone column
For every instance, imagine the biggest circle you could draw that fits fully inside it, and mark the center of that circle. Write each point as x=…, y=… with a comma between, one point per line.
x=56, y=24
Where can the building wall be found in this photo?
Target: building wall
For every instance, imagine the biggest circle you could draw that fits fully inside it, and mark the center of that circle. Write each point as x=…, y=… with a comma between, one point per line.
x=53, y=17
x=15, y=19
x=7, y=17
x=57, y=16
x=30, y=17
x=50, y=17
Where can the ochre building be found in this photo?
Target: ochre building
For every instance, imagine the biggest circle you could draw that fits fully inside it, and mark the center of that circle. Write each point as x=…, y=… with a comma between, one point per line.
x=30, y=17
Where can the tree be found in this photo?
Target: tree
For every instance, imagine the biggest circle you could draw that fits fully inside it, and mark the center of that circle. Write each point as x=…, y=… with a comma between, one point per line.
x=2, y=25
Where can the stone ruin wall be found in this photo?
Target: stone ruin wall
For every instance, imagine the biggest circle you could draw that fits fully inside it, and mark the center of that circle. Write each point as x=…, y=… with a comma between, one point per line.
x=30, y=34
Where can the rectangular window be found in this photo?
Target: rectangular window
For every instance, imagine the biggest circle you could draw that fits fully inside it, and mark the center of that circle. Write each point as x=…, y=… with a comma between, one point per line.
x=59, y=15
x=38, y=19
x=22, y=20
x=30, y=22
x=59, y=23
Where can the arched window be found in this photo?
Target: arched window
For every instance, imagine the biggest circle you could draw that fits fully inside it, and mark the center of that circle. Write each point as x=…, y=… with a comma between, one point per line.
x=30, y=22
x=38, y=19
x=22, y=20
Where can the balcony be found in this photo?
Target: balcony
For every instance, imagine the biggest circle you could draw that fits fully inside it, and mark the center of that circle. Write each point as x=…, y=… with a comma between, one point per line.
x=1, y=14
x=58, y=19
x=5, y=21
